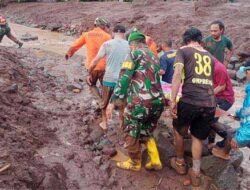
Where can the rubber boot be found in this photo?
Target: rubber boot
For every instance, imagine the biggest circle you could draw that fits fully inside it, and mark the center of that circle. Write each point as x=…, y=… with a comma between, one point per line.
x=154, y=159
x=130, y=165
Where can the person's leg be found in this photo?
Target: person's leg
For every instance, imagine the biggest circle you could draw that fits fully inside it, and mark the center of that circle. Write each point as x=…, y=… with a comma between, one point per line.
x=223, y=152
x=14, y=39
x=154, y=161
x=92, y=80
x=218, y=127
x=106, y=94
x=200, y=128
x=211, y=139
x=134, y=152
x=194, y=176
x=179, y=145
x=196, y=154
x=181, y=125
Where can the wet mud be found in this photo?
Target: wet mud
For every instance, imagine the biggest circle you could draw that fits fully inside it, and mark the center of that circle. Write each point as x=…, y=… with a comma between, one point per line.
x=49, y=135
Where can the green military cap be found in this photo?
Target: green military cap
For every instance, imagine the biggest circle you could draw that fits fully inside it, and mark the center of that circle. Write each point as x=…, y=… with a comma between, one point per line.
x=136, y=35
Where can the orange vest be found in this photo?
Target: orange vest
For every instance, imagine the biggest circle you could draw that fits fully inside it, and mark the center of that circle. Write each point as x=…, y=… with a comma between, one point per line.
x=151, y=45
x=93, y=41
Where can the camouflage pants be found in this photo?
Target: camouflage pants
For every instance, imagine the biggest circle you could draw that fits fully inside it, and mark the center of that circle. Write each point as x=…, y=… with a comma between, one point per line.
x=140, y=119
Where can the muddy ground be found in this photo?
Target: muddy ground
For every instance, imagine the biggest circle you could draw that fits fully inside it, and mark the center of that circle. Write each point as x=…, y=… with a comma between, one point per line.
x=49, y=134
x=157, y=18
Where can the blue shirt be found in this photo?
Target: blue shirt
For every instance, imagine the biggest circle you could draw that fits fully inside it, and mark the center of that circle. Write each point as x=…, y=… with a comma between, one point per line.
x=167, y=64
x=242, y=135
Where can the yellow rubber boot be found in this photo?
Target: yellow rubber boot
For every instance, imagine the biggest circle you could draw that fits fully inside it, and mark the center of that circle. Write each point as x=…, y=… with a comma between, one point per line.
x=154, y=161
x=130, y=165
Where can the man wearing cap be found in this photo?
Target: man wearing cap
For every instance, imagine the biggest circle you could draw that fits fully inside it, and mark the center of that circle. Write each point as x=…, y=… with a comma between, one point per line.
x=93, y=41
x=5, y=30
x=115, y=51
x=139, y=85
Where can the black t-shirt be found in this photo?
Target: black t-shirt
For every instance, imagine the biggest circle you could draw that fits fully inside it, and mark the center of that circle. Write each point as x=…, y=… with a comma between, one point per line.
x=197, y=88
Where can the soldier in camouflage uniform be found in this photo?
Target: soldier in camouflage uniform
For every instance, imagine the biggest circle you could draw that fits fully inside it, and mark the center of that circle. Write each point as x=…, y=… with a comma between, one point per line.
x=139, y=86
x=5, y=30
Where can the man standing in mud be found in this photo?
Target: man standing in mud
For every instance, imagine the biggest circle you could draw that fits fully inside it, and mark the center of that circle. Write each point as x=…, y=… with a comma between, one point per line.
x=5, y=30
x=196, y=108
x=217, y=44
x=115, y=51
x=93, y=41
x=139, y=86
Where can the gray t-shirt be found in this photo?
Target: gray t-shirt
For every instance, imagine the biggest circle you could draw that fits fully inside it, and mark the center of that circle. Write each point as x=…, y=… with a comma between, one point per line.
x=115, y=50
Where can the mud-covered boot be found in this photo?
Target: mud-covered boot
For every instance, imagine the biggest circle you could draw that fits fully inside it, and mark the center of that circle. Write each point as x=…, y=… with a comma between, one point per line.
x=154, y=162
x=134, y=165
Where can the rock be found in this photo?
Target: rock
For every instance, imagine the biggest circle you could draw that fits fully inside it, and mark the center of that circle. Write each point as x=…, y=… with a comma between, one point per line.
x=12, y=89
x=166, y=148
x=231, y=73
x=96, y=134
x=228, y=179
x=105, y=167
x=97, y=160
x=237, y=66
x=104, y=142
x=74, y=86
x=51, y=181
x=223, y=173
x=69, y=156
x=235, y=83
x=28, y=37
x=54, y=27
x=109, y=151
x=233, y=60
x=230, y=66
x=240, y=76
x=244, y=55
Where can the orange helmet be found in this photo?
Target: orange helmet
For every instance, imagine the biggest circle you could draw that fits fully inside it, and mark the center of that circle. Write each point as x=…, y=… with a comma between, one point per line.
x=2, y=20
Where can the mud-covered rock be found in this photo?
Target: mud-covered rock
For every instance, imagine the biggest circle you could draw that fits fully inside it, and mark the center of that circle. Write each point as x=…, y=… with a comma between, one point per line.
x=223, y=173
x=29, y=37
x=12, y=89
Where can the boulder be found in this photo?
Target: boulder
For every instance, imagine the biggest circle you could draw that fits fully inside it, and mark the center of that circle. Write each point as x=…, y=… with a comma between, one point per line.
x=223, y=173
x=29, y=37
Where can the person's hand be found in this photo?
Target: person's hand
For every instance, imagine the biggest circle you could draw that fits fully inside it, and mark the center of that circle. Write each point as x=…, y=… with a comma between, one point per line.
x=173, y=109
x=234, y=144
x=91, y=68
x=234, y=117
x=109, y=110
x=66, y=56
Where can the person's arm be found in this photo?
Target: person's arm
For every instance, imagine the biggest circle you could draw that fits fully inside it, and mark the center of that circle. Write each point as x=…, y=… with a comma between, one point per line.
x=229, y=53
x=101, y=54
x=127, y=71
x=13, y=38
x=176, y=81
x=163, y=65
x=76, y=46
x=219, y=89
x=220, y=77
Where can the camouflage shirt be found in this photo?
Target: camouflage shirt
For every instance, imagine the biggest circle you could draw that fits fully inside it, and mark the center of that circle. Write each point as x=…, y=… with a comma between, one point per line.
x=4, y=30
x=139, y=80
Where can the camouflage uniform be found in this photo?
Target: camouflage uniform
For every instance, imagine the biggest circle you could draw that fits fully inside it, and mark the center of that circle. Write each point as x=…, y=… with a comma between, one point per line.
x=140, y=83
x=4, y=30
